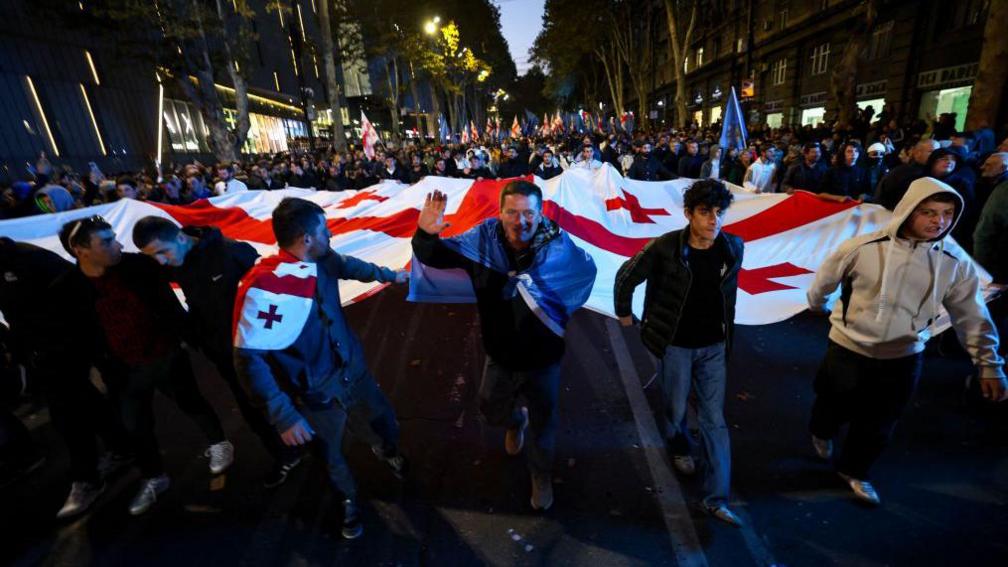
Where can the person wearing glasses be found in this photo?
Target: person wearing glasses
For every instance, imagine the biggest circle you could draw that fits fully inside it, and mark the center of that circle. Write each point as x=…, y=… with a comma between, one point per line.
x=689, y=315
x=118, y=312
x=528, y=278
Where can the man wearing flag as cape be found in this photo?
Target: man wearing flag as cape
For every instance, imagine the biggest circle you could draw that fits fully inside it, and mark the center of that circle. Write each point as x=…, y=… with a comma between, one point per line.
x=528, y=278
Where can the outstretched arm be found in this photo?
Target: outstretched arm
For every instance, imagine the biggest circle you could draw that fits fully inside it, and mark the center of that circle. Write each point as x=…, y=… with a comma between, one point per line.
x=631, y=274
x=427, y=245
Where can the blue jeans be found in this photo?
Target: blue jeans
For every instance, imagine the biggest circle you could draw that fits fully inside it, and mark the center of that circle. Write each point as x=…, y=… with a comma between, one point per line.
x=705, y=370
x=369, y=416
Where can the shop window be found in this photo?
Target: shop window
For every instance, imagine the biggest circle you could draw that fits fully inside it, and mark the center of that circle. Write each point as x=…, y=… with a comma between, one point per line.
x=774, y=119
x=813, y=116
x=778, y=71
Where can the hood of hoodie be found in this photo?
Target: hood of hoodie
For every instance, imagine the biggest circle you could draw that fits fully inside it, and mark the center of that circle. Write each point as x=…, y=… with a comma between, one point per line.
x=940, y=153
x=60, y=197
x=920, y=190
x=206, y=234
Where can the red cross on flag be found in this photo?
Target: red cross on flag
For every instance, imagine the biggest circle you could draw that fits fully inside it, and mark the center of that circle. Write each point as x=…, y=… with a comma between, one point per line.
x=273, y=302
x=515, y=128
x=787, y=237
x=369, y=136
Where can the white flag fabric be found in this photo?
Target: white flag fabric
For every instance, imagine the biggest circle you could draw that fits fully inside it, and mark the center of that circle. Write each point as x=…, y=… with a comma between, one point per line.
x=369, y=136
x=787, y=237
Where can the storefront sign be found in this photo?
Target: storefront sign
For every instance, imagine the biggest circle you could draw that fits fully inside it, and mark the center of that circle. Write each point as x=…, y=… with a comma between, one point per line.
x=947, y=76
x=813, y=99
x=870, y=90
x=748, y=88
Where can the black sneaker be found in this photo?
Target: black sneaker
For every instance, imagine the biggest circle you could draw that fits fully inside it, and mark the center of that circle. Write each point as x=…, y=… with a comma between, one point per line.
x=279, y=474
x=352, y=526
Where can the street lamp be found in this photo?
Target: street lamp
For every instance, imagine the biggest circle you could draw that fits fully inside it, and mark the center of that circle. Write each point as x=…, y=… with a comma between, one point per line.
x=430, y=28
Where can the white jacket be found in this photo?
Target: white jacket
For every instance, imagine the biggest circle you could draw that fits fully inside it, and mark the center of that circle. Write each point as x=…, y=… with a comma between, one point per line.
x=892, y=289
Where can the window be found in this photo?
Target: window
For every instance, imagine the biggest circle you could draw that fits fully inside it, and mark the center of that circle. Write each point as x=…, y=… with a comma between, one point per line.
x=820, y=59
x=699, y=56
x=880, y=41
x=783, y=18
x=778, y=71
x=739, y=45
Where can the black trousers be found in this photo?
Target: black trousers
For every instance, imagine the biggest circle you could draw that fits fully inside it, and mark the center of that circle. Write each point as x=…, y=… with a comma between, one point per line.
x=82, y=415
x=254, y=417
x=173, y=376
x=867, y=393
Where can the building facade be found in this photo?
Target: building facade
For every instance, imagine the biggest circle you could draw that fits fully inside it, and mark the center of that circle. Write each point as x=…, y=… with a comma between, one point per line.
x=919, y=59
x=78, y=97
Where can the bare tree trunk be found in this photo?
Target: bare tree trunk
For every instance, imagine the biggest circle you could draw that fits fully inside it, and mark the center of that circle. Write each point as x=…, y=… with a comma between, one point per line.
x=843, y=79
x=992, y=78
x=392, y=100
x=435, y=110
x=332, y=84
x=679, y=47
x=615, y=89
x=416, y=100
x=242, y=125
x=221, y=141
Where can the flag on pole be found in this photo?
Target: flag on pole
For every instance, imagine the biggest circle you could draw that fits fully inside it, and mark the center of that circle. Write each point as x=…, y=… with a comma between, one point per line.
x=369, y=136
x=443, y=131
x=515, y=128
x=733, y=130
x=465, y=134
x=473, y=132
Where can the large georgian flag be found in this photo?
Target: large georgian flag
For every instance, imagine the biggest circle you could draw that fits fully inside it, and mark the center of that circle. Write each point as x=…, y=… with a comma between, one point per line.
x=610, y=217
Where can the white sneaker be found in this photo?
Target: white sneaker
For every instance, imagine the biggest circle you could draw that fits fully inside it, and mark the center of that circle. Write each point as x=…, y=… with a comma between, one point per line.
x=221, y=456
x=82, y=496
x=684, y=464
x=149, y=491
x=862, y=489
x=823, y=447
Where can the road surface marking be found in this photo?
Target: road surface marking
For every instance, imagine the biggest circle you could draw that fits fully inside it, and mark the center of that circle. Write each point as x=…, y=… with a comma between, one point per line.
x=688, y=550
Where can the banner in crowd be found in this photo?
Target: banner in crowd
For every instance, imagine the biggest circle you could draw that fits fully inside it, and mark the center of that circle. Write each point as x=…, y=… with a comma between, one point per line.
x=786, y=236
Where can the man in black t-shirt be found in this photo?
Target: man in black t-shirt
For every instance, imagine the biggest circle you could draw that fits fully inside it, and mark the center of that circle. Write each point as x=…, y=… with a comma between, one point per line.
x=692, y=278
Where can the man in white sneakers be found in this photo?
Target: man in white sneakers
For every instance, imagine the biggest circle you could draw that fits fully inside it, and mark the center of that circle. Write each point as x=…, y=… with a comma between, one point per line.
x=893, y=283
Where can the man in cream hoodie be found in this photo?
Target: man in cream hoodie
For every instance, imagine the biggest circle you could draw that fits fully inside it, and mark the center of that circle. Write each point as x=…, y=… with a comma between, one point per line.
x=893, y=283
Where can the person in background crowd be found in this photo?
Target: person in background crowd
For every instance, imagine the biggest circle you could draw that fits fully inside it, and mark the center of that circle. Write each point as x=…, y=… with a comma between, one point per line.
x=711, y=169
x=944, y=165
x=117, y=312
x=417, y=170
x=807, y=174
x=586, y=159
x=990, y=239
x=688, y=325
x=227, y=183
x=894, y=282
x=846, y=178
x=759, y=177
x=302, y=364
x=690, y=163
x=647, y=167
x=513, y=166
x=895, y=184
x=875, y=167
x=550, y=167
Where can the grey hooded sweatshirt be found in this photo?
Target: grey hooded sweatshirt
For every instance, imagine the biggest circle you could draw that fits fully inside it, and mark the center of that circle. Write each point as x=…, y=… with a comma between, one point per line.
x=892, y=290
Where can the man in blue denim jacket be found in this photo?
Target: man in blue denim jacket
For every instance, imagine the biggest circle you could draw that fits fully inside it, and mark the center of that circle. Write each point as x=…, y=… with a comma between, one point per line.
x=297, y=357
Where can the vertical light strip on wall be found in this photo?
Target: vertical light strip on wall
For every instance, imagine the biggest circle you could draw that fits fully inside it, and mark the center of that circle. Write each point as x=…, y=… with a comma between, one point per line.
x=294, y=60
x=313, y=7
x=90, y=61
x=276, y=81
x=94, y=122
x=301, y=21
x=280, y=13
x=45, y=121
x=160, y=118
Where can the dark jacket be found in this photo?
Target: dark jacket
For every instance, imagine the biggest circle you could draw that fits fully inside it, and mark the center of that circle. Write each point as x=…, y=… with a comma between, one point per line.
x=689, y=166
x=662, y=263
x=895, y=184
x=513, y=168
x=550, y=172
x=512, y=335
x=801, y=176
x=326, y=359
x=648, y=168
x=26, y=272
x=76, y=331
x=844, y=181
x=209, y=279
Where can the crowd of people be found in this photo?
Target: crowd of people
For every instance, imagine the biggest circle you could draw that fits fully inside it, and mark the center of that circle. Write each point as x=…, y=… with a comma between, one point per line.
x=297, y=370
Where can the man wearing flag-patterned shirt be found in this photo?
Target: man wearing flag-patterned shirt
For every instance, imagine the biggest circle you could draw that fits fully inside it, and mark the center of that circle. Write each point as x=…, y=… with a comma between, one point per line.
x=297, y=356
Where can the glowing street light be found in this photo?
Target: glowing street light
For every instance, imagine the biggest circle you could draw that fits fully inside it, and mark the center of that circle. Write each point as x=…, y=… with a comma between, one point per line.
x=430, y=28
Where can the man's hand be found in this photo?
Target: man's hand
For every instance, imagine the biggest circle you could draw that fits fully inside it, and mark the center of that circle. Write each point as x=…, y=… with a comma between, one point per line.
x=431, y=218
x=297, y=434
x=626, y=321
x=401, y=276
x=994, y=389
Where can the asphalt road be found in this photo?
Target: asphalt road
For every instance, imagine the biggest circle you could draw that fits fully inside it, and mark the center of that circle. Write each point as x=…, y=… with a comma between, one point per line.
x=944, y=481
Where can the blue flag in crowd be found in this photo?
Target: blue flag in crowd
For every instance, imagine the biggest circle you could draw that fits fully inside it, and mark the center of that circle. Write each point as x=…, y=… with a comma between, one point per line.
x=733, y=131
x=442, y=128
